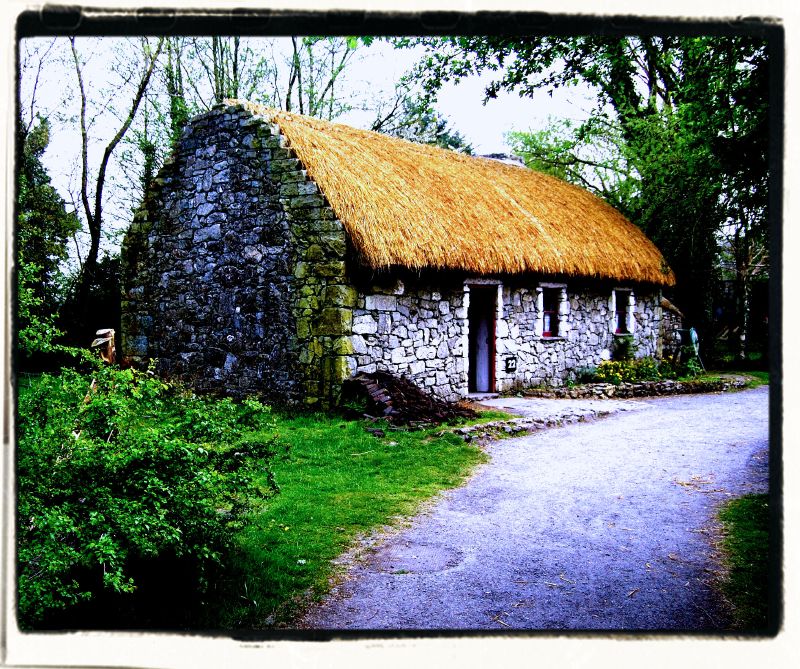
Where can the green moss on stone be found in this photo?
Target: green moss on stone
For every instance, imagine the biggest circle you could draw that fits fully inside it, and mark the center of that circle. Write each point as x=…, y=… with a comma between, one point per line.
x=303, y=327
x=334, y=268
x=314, y=253
x=334, y=321
x=340, y=295
x=301, y=270
x=335, y=243
x=339, y=370
x=343, y=346
x=307, y=303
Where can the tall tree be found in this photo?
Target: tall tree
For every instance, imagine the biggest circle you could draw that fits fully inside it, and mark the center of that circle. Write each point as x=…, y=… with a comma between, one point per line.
x=414, y=119
x=44, y=226
x=173, y=82
x=316, y=65
x=91, y=187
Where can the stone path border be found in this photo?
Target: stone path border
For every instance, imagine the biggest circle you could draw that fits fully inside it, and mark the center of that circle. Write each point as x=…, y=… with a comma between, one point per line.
x=640, y=389
x=526, y=424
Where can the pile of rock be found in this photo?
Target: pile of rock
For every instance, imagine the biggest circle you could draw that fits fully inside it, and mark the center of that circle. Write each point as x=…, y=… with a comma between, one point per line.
x=399, y=401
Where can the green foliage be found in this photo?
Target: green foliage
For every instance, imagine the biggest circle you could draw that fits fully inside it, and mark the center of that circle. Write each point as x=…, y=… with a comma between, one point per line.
x=43, y=228
x=588, y=154
x=43, y=224
x=693, y=366
x=670, y=368
x=37, y=333
x=132, y=468
x=627, y=371
x=624, y=348
x=746, y=545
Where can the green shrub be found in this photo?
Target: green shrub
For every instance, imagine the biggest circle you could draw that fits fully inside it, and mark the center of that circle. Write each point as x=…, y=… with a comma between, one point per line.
x=133, y=469
x=627, y=371
x=585, y=374
x=692, y=367
x=669, y=368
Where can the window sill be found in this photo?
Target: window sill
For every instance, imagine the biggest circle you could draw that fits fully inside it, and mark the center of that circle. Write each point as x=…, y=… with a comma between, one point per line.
x=543, y=338
x=623, y=334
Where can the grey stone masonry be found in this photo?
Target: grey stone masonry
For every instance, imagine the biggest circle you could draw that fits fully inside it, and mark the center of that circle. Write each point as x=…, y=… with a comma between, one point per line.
x=421, y=330
x=414, y=330
x=233, y=269
x=585, y=337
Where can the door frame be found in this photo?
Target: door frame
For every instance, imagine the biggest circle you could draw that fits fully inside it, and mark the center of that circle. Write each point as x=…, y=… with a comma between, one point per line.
x=488, y=292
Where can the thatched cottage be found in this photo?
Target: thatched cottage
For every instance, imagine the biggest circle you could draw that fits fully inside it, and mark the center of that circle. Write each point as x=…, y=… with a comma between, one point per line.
x=281, y=254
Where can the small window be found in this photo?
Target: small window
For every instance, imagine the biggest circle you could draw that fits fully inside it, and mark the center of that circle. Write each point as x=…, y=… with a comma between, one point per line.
x=621, y=313
x=550, y=314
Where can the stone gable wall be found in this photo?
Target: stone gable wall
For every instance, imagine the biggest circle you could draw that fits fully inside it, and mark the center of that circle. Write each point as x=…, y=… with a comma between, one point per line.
x=234, y=268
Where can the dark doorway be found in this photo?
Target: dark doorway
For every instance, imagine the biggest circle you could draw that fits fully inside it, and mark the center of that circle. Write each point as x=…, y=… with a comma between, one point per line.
x=482, y=310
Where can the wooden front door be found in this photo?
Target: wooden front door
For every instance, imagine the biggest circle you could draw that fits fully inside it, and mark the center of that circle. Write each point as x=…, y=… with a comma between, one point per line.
x=482, y=310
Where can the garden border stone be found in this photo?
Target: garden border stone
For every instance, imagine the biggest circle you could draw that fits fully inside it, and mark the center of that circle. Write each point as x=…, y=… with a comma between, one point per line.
x=638, y=389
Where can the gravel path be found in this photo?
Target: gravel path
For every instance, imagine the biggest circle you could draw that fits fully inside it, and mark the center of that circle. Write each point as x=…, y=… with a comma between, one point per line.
x=602, y=525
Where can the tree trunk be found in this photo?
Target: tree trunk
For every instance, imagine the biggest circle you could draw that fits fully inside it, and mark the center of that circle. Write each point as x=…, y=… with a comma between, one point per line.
x=94, y=214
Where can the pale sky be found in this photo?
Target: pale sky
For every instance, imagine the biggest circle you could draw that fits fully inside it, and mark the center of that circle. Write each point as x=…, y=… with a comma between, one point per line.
x=484, y=126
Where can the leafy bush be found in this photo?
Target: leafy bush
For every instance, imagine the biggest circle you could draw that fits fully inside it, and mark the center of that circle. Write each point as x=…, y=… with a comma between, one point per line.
x=670, y=368
x=585, y=374
x=132, y=469
x=691, y=365
x=683, y=366
x=627, y=371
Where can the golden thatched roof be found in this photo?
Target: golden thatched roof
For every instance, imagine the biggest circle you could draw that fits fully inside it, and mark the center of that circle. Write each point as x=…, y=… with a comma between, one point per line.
x=417, y=206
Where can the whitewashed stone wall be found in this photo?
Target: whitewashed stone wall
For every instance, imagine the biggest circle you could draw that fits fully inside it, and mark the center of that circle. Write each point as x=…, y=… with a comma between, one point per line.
x=585, y=338
x=423, y=333
x=416, y=332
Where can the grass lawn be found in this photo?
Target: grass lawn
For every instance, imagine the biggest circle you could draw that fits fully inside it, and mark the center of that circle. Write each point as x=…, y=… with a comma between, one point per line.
x=336, y=482
x=758, y=378
x=746, y=545
x=754, y=378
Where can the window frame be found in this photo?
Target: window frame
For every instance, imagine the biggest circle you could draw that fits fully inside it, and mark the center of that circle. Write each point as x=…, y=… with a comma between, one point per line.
x=551, y=297
x=624, y=302
x=558, y=301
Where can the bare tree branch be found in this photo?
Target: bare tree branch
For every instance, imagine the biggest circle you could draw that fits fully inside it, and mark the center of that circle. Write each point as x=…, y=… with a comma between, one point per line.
x=84, y=141
x=127, y=124
x=39, y=66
